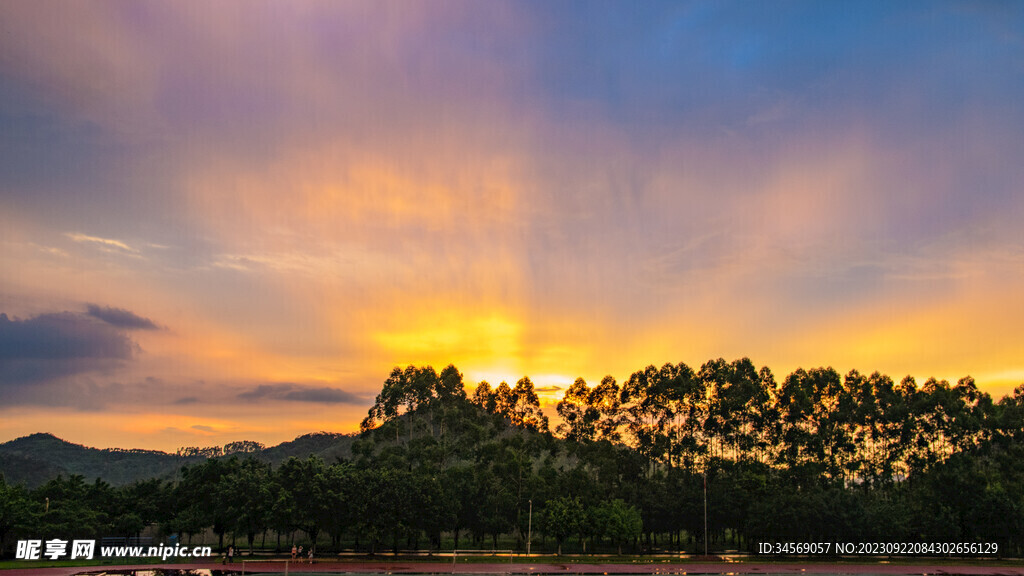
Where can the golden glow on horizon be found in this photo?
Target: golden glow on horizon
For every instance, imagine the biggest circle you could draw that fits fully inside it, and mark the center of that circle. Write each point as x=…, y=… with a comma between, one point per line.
x=364, y=200
x=471, y=340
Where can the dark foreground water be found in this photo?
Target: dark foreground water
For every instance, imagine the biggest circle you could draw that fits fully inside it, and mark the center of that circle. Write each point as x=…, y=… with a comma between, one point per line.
x=654, y=571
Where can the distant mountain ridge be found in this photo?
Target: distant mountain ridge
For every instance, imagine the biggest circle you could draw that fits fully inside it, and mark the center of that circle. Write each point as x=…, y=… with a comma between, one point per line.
x=37, y=458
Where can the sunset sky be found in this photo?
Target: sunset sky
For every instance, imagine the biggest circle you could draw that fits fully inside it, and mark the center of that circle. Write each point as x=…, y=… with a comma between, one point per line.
x=226, y=221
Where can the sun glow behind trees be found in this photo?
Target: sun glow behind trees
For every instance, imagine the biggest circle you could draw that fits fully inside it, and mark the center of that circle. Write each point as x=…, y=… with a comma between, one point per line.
x=853, y=428
x=815, y=456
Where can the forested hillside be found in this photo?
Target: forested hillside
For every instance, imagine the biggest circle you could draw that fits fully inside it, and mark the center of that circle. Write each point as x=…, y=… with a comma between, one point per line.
x=35, y=459
x=815, y=457
x=38, y=458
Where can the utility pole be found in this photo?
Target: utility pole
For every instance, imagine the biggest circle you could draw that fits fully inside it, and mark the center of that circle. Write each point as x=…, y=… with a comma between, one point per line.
x=529, y=530
x=705, y=511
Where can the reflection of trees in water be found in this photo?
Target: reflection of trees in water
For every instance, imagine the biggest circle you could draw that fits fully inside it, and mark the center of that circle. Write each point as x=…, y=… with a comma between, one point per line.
x=160, y=572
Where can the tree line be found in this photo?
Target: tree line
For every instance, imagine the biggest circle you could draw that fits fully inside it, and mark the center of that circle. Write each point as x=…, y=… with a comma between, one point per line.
x=817, y=457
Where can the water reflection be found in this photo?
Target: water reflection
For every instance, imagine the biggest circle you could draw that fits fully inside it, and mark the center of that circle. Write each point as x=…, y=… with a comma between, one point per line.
x=161, y=572
x=522, y=570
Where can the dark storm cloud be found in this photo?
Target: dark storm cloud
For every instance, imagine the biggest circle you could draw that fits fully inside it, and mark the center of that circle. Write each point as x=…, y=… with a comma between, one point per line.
x=37, y=354
x=324, y=395
x=61, y=336
x=295, y=393
x=265, y=391
x=121, y=318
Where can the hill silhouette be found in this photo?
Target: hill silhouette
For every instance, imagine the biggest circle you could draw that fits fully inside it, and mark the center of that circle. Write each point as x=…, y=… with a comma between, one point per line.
x=37, y=458
x=33, y=460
